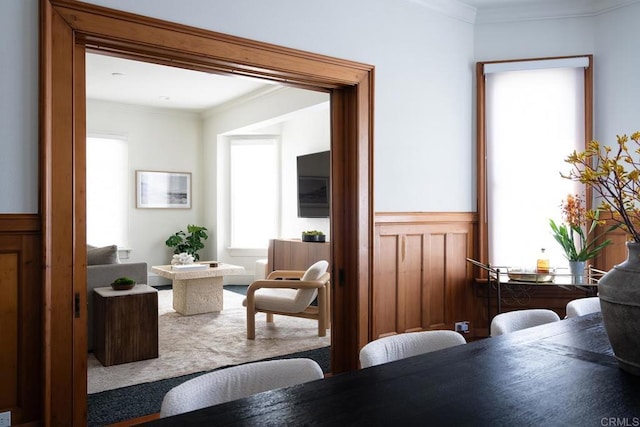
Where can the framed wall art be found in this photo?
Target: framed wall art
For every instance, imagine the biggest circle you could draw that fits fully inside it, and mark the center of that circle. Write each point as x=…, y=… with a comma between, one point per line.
x=163, y=190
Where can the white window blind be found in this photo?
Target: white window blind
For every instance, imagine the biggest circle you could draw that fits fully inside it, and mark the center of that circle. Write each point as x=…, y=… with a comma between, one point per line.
x=254, y=191
x=535, y=119
x=107, y=191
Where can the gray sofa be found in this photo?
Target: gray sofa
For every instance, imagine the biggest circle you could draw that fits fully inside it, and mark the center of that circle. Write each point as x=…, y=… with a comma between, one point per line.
x=103, y=267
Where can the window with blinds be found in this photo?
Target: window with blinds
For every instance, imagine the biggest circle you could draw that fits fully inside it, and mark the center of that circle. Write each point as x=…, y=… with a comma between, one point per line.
x=107, y=191
x=534, y=117
x=254, y=191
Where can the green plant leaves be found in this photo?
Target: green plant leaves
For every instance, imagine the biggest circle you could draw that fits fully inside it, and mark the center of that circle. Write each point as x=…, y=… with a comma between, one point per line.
x=586, y=250
x=190, y=242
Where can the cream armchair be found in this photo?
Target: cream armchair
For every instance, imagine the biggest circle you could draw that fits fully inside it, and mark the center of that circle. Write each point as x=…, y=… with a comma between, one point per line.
x=290, y=293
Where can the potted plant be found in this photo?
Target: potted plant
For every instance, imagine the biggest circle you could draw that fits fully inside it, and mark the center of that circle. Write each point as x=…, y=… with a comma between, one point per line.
x=190, y=242
x=614, y=175
x=123, y=284
x=313, y=236
x=574, y=235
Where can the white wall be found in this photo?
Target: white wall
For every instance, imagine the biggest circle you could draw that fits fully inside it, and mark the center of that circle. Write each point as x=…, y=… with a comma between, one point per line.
x=424, y=142
x=616, y=74
x=170, y=140
x=308, y=132
x=252, y=115
x=162, y=140
x=534, y=39
x=423, y=81
x=19, y=106
x=301, y=119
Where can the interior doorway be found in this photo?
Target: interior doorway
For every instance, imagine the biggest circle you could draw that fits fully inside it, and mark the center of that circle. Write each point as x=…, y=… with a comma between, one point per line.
x=67, y=30
x=159, y=111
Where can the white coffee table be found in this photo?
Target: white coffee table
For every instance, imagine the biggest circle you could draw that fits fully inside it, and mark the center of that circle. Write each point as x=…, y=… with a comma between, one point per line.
x=198, y=291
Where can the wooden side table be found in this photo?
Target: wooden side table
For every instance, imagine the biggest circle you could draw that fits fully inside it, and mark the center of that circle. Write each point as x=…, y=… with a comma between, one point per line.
x=125, y=324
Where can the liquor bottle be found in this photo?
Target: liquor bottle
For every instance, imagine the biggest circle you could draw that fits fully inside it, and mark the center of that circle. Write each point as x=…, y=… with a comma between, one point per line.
x=542, y=266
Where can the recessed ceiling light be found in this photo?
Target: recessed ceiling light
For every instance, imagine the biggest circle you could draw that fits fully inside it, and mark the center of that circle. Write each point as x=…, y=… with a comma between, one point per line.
x=117, y=74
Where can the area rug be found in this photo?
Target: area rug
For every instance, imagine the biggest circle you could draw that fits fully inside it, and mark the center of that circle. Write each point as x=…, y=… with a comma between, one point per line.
x=128, y=403
x=203, y=342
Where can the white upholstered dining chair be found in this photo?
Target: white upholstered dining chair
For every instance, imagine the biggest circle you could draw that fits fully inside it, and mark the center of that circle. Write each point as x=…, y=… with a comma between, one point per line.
x=237, y=382
x=512, y=321
x=290, y=293
x=582, y=306
x=401, y=346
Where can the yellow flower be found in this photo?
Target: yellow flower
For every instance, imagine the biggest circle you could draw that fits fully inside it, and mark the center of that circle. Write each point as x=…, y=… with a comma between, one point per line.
x=614, y=175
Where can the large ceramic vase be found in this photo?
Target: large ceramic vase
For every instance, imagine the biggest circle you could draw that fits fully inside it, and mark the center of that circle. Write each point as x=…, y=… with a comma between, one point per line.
x=619, y=292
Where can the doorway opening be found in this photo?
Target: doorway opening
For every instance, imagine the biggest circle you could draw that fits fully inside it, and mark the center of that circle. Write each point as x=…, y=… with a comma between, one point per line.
x=68, y=29
x=187, y=121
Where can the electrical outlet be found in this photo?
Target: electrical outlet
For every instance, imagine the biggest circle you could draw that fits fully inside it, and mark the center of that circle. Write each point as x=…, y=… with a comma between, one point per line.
x=462, y=327
x=5, y=419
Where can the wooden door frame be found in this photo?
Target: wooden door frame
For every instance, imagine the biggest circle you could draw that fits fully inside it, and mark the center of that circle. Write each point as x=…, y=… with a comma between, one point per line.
x=68, y=29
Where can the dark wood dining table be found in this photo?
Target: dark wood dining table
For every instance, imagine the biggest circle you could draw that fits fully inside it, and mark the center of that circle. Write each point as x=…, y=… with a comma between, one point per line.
x=559, y=374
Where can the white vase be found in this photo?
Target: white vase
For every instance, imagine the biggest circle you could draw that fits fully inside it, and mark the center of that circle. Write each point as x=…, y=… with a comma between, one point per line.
x=619, y=292
x=577, y=271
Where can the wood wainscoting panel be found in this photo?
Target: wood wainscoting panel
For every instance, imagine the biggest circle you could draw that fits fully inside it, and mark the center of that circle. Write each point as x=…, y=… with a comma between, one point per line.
x=384, y=296
x=9, y=330
x=421, y=280
x=21, y=317
x=434, y=276
x=409, y=282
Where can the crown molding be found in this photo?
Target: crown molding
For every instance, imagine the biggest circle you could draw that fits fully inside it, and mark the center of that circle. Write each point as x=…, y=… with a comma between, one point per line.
x=452, y=8
x=559, y=9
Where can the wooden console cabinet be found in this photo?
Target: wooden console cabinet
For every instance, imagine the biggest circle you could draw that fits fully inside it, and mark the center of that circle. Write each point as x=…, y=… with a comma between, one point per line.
x=294, y=254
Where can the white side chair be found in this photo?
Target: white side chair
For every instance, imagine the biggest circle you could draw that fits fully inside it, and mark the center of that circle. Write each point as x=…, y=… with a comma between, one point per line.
x=290, y=293
x=237, y=382
x=512, y=321
x=401, y=346
x=582, y=306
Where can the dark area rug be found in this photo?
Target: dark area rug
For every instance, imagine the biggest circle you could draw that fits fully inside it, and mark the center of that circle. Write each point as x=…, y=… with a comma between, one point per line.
x=135, y=401
x=238, y=289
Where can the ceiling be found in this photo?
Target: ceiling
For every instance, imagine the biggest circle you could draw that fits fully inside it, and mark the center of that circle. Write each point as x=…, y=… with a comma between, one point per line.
x=141, y=83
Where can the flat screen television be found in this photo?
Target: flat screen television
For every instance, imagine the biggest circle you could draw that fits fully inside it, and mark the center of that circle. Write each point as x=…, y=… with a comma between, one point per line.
x=314, y=185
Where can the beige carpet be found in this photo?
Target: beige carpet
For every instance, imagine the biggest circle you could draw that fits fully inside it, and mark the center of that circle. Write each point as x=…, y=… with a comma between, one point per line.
x=189, y=344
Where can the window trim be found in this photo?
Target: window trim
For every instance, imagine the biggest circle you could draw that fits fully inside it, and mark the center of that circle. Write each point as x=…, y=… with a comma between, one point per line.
x=481, y=147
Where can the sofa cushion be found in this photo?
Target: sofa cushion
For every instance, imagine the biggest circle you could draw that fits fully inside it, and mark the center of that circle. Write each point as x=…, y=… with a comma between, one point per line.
x=104, y=255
